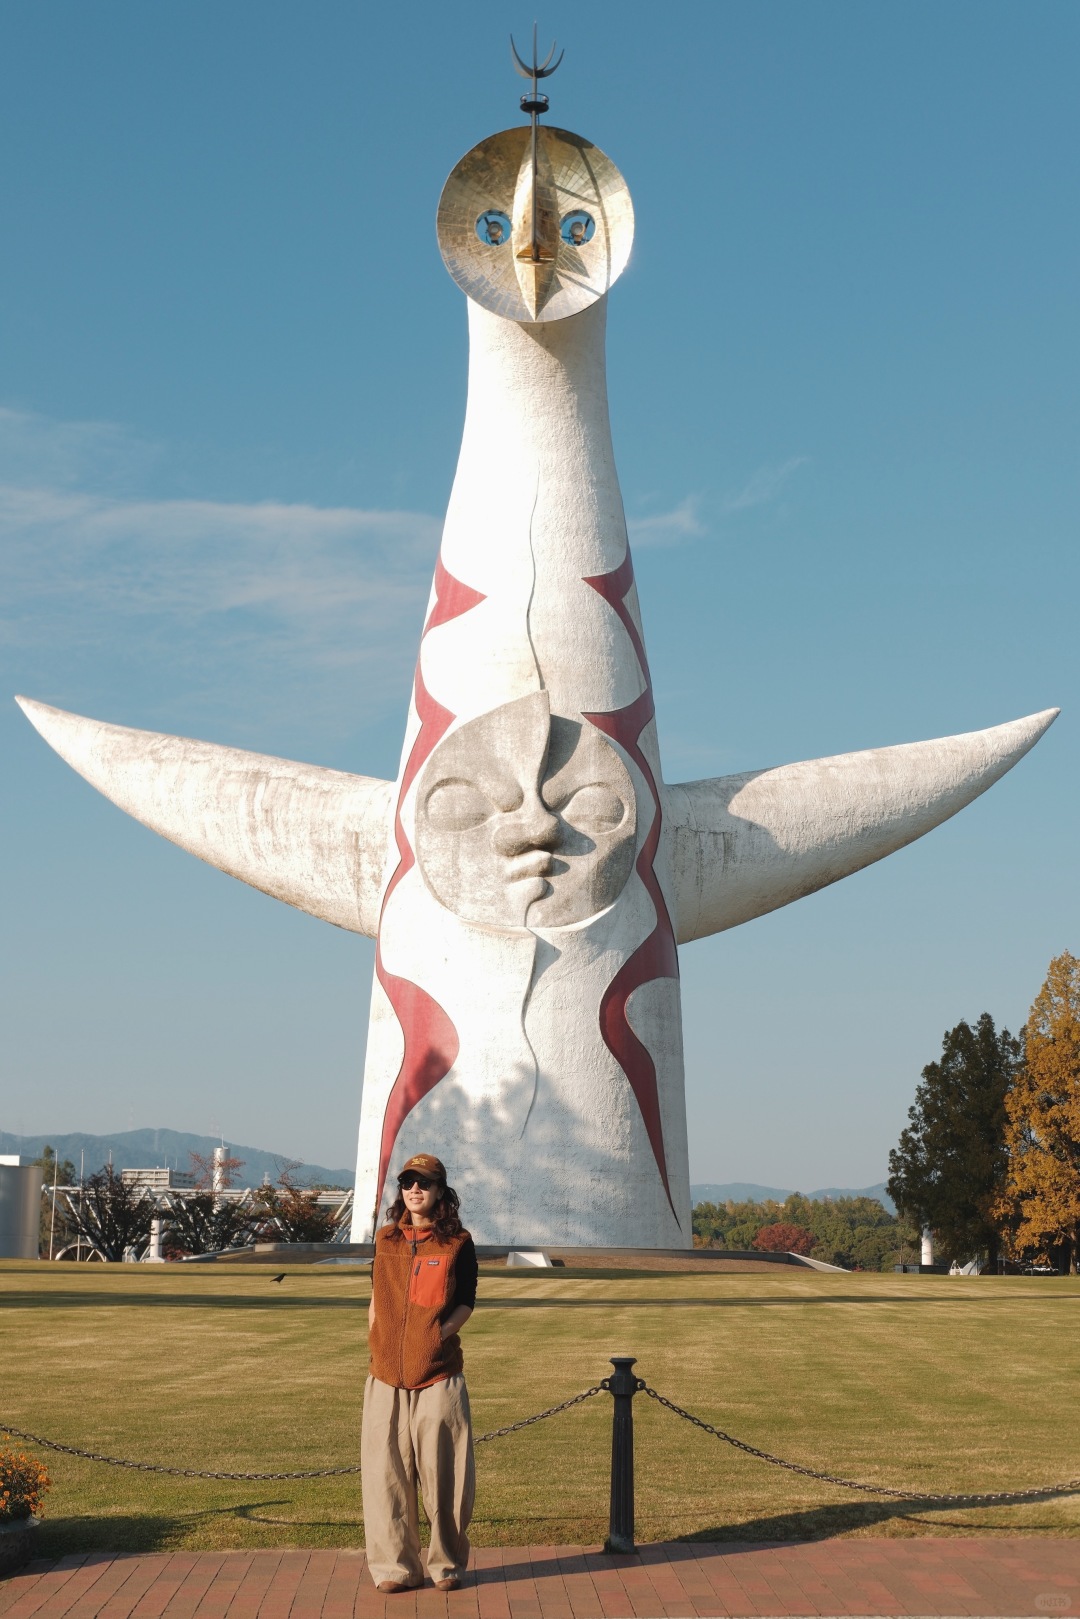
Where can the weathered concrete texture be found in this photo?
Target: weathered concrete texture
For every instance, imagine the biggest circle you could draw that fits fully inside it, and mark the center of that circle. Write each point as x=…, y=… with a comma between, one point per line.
x=744, y=845
x=525, y=820
x=312, y=837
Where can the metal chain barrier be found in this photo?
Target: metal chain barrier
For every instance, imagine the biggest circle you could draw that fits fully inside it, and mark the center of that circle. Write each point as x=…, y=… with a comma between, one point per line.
x=1068, y=1487
x=153, y=1467
x=320, y=1472
x=552, y=1411
x=1071, y=1486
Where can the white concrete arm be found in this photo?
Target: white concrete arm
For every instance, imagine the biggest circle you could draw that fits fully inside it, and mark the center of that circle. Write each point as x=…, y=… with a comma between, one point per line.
x=743, y=845
x=314, y=838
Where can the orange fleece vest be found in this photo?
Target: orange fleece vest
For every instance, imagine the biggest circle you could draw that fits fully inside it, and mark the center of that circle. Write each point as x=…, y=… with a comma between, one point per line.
x=413, y=1284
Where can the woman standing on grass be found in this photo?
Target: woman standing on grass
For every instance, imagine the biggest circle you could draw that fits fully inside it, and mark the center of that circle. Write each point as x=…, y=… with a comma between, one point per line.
x=416, y=1406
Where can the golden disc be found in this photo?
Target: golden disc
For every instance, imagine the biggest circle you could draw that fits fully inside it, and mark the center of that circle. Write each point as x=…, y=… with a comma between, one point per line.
x=535, y=242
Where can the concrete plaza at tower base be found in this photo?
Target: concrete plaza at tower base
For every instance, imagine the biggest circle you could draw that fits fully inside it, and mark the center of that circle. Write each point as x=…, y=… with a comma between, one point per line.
x=1002, y=1575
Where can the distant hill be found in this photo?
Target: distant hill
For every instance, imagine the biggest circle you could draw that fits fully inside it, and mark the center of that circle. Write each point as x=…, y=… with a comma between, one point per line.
x=142, y=1149
x=149, y=1149
x=741, y=1191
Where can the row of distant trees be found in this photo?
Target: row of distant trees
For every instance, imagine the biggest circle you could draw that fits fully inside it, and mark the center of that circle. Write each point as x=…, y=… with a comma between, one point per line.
x=990, y=1160
x=111, y=1217
x=856, y=1232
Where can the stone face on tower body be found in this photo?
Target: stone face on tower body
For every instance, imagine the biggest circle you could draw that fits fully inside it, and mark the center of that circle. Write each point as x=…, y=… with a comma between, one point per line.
x=528, y=876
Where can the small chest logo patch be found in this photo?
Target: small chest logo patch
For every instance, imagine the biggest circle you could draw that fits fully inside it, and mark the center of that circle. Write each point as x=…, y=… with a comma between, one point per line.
x=429, y=1282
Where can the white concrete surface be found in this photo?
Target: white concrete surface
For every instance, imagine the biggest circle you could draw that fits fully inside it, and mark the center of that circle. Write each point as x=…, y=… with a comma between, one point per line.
x=744, y=845
x=312, y=837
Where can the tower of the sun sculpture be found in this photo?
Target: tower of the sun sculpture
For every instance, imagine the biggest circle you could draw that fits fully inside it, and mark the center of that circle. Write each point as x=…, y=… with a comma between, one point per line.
x=529, y=875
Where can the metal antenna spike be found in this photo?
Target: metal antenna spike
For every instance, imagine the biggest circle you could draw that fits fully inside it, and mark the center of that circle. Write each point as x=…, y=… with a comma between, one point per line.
x=534, y=105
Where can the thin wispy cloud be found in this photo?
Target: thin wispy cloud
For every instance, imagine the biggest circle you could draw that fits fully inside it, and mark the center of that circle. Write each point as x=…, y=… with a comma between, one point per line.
x=763, y=486
x=684, y=522
x=220, y=592
x=88, y=558
x=38, y=450
x=667, y=528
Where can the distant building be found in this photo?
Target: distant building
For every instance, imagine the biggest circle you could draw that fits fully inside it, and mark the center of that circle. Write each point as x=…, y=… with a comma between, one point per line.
x=159, y=1180
x=20, y=1207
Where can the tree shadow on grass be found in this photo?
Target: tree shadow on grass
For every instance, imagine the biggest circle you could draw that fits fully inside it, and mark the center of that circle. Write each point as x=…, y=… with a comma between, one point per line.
x=274, y=1300
x=144, y=1533
x=149, y=1532
x=822, y=1523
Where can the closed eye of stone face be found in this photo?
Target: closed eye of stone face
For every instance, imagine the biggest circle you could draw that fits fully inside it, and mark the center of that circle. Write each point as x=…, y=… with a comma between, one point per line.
x=457, y=806
x=594, y=808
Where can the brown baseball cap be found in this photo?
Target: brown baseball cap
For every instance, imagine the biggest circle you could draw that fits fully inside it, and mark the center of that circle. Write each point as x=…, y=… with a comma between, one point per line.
x=425, y=1163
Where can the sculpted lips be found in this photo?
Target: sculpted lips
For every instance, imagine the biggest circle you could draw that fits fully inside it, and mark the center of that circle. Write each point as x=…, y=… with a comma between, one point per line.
x=537, y=863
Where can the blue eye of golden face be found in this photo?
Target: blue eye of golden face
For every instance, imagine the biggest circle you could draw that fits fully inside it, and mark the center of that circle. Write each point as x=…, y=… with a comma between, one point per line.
x=493, y=228
x=577, y=228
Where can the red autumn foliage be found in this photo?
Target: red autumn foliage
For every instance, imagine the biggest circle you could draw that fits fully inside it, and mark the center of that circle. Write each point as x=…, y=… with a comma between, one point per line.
x=783, y=1238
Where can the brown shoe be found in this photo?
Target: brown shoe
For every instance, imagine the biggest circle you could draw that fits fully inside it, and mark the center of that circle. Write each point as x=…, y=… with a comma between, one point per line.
x=393, y=1588
x=451, y=1584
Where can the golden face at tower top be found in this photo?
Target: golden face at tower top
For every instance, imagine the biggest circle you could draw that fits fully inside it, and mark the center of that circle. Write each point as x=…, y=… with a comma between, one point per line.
x=535, y=241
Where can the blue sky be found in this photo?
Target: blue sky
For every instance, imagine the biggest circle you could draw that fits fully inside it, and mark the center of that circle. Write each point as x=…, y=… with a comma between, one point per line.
x=842, y=367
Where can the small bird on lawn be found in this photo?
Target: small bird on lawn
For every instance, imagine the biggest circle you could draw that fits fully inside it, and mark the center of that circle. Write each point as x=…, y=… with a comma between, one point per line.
x=280, y=1278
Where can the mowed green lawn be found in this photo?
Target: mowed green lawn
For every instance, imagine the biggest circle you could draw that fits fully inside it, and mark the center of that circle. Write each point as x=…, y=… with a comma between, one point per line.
x=936, y=1383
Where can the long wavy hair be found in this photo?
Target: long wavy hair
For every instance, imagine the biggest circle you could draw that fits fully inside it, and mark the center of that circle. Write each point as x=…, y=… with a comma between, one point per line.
x=445, y=1219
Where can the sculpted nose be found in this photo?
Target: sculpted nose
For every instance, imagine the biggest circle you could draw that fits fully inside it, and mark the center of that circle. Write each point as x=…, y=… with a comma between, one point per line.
x=531, y=827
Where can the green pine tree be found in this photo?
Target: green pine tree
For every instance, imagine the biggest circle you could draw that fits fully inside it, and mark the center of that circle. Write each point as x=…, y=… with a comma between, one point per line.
x=949, y=1166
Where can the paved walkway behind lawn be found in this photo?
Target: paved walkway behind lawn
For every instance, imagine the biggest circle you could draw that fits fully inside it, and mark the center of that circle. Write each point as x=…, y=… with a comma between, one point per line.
x=1007, y=1576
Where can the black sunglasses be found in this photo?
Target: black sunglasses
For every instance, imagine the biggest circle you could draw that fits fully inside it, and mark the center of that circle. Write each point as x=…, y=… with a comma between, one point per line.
x=411, y=1179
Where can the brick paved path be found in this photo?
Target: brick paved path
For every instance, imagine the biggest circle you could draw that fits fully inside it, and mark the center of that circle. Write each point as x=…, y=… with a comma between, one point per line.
x=1013, y=1577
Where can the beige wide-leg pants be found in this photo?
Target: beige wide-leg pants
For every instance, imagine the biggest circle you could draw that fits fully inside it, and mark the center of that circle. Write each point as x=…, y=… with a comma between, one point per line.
x=410, y=1436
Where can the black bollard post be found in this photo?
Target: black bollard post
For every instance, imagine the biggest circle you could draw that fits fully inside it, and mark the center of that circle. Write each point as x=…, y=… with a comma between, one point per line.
x=623, y=1386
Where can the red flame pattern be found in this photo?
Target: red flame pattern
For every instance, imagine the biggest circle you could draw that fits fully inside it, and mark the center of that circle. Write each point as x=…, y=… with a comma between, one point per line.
x=657, y=956
x=431, y=1040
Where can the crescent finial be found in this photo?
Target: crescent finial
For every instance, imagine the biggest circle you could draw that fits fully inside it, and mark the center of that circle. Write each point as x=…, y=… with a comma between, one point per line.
x=535, y=69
